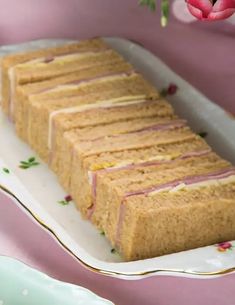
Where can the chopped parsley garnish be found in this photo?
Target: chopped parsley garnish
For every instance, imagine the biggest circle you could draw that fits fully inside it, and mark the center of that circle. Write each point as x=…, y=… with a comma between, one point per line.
x=67, y=199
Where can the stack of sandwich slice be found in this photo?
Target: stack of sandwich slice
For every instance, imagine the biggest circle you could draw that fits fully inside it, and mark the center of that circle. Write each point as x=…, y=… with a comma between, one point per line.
x=132, y=166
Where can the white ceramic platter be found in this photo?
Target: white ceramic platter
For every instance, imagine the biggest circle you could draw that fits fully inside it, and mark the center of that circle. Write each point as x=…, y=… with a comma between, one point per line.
x=37, y=191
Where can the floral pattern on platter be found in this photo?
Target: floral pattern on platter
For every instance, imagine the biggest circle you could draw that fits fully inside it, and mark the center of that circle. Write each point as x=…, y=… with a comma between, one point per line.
x=67, y=199
x=225, y=246
x=5, y=170
x=30, y=162
x=170, y=90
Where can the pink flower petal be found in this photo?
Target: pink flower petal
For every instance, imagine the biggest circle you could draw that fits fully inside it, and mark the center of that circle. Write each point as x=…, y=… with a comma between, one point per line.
x=204, y=9
x=222, y=5
x=205, y=6
x=222, y=9
x=195, y=12
x=221, y=15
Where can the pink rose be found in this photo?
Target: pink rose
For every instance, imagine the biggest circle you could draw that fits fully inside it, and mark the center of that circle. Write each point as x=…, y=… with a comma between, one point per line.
x=211, y=9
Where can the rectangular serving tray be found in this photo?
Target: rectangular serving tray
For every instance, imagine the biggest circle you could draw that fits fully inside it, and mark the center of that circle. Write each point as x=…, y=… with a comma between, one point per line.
x=37, y=192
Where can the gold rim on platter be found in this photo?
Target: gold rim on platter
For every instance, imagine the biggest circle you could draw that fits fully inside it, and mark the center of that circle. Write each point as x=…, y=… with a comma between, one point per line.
x=109, y=272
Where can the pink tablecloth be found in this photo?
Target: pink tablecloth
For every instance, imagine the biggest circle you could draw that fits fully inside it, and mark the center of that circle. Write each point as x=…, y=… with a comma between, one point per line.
x=202, y=53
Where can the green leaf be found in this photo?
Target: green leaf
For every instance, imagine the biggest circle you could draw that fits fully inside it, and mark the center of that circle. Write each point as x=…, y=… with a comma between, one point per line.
x=24, y=166
x=32, y=159
x=165, y=12
x=6, y=170
x=163, y=92
x=142, y=2
x=151, y=4
x=24, y=162
x=63, y=202
x=27, y=164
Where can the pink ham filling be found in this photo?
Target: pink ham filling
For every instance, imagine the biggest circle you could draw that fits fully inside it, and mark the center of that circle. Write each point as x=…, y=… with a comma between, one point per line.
x=132, y=166
x=158, y=127
x=190, y=180
x=147, y=102
x=152, y=163
x=50, y=58
x=90, y=79
x=164, y=126
x=155, y=127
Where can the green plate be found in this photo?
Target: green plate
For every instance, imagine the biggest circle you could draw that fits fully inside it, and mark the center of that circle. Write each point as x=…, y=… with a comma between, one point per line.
x=23, y=285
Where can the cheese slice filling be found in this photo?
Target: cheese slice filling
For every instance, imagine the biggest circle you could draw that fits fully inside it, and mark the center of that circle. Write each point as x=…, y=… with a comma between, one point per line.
x=158, y=159
x=206, y=183
x=61, y=59
x=115, y=102
x=41, y=62
x=96, y=80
